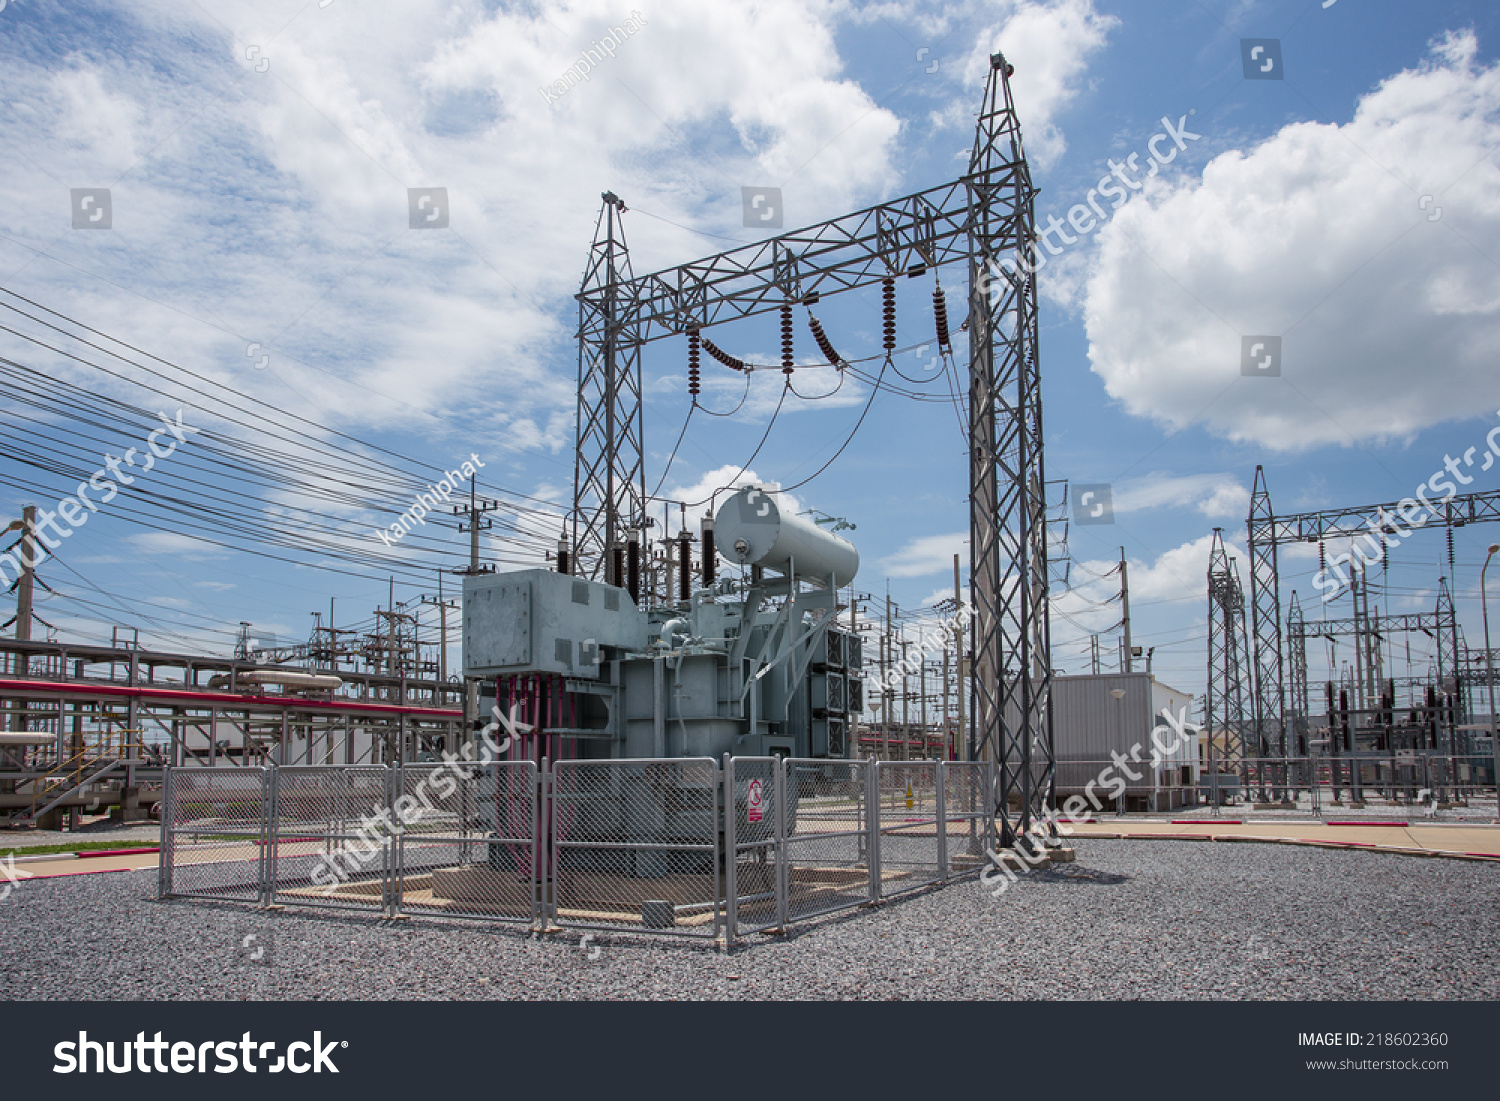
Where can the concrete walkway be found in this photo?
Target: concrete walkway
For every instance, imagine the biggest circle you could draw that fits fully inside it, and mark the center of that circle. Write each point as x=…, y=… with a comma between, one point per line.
x=1462, y=842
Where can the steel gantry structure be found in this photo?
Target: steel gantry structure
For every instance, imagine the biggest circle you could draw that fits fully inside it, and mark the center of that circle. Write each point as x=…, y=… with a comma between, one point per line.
x=1380, y=525
x=984, y=221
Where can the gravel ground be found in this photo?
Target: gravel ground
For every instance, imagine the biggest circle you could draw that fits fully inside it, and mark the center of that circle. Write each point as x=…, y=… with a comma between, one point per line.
x=1131, y=919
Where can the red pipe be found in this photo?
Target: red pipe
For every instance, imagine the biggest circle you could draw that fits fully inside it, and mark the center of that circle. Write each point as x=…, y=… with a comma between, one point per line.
x=11, y=687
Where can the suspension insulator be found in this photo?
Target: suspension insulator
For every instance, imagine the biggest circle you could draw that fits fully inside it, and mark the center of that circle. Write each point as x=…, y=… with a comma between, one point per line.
x=694, y=375
x=722, y=356
x=787, y=358
x=888, y=312
x=1450, y=551
x=940, y=315
x=824, y=344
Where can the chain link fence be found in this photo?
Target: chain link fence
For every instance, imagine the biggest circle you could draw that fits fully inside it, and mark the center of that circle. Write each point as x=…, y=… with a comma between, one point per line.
x=636, y=844
x=827, y=854
x=467, y=840
x=332, y=836
x=214, y=835
x=680, y=846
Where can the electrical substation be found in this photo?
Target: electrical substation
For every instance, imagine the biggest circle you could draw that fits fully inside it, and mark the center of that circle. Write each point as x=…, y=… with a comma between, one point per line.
x=691, y=730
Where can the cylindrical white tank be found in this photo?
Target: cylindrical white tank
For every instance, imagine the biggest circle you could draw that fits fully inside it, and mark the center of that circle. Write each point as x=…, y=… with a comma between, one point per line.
x=752, y=529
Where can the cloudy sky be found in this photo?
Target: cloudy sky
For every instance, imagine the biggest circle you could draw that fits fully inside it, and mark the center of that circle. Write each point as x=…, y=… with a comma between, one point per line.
x=258, y=160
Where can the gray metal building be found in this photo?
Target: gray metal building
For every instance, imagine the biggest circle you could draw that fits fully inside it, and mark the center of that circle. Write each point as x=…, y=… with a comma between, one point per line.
x=1096, y=716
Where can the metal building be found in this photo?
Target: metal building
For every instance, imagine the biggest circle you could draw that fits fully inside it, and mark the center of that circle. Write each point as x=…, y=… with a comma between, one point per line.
x=1096, y=717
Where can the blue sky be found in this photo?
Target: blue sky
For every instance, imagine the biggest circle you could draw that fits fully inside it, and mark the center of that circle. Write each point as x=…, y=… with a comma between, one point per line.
x=258, y=158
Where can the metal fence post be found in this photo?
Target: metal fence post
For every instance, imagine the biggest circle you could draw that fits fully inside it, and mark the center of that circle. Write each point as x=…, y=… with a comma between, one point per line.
x=872, y=816
x=397, y=840
x=942, y=820
x=266, y=864
x=546, y=817
x=782, y=849
x=541, y=813
x=731, y=858
x=165, y=854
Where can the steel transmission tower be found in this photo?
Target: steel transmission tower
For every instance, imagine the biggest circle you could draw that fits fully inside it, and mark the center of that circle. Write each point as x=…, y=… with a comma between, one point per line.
x=609, y=477
x=1007, y=502
x=1224, y=701
x=983, y=221
x=1265, y=616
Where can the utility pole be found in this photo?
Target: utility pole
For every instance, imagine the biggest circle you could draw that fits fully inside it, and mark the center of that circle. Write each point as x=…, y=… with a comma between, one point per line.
x=948, y=740
x=478, y=506
x=887, y=693
x=922, y=698
x=442, y=607
x=905, y=704
x=25, y=591
x=1125, y=605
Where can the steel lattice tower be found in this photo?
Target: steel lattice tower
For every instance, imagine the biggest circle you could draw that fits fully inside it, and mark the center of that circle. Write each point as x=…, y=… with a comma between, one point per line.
x=1007, y=503
x=609, y=477
x=1224, y=701
x=1450, y=682
x=1297, y=702
x=1265, y=616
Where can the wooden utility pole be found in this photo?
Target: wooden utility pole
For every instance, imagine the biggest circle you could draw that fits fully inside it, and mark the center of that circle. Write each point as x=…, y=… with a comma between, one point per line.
x=1125, y=606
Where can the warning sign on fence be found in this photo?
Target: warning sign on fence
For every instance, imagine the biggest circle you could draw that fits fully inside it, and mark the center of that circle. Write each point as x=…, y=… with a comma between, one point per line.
x=757, y=800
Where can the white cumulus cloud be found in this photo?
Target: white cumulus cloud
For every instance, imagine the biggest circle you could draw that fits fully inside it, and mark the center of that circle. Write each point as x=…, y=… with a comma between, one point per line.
x=1372, y=248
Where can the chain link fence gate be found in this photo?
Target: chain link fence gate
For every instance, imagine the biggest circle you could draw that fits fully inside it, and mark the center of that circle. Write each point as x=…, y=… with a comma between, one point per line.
x=467, y=841
x=635, y=845
x=214, y=834
x=827, y=858
x=753, y=832
x=332, y=837
x=968, y=820
x=909, y=812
